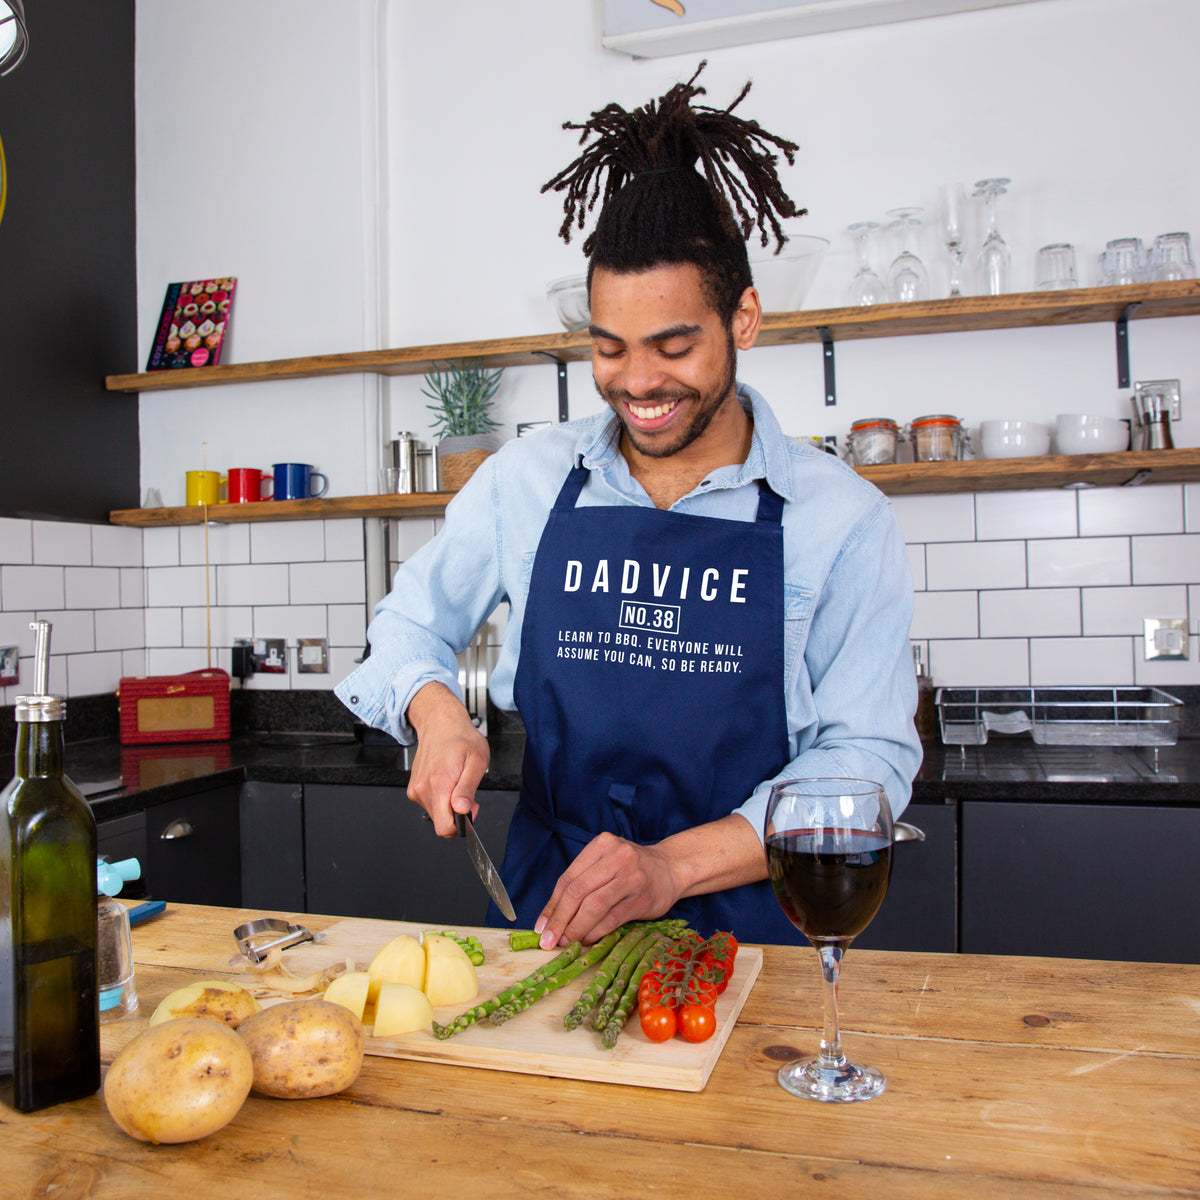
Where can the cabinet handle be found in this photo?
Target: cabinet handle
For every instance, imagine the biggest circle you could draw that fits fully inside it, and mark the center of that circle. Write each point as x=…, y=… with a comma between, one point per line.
x=903, y=832
x=176, y=830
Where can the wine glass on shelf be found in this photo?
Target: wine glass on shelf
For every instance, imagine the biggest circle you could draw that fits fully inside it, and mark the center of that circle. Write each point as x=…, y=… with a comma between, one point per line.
x=865, y=287
x=952, y=225
x=995, y=262
x=829, y=844
x=907, y=278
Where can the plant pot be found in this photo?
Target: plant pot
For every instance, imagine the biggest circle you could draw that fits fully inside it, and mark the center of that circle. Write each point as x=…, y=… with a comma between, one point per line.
x=458, y=457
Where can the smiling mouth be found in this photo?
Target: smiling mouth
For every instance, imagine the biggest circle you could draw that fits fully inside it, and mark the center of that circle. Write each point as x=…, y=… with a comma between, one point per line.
x=651, y=412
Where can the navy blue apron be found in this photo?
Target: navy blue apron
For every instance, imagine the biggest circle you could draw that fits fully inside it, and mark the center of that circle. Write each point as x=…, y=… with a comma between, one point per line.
x=651, y=687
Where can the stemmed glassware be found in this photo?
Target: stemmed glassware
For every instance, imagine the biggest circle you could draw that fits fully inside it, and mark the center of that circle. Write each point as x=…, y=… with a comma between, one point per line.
x=907, y=278
x=865, y=287
x=952, y=225
x=829, y=844
x=995, y=262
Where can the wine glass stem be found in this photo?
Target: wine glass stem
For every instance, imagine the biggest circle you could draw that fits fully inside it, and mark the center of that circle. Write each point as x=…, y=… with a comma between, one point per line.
x=830, y=1056
x=956, y=257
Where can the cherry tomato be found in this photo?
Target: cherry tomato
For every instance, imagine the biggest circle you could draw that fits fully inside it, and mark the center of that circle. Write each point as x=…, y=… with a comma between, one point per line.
x=697, y=1022
x=658, y=1023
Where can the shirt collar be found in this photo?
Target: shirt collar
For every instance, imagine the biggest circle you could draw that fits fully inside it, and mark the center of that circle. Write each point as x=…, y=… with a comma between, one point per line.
x=597, y=447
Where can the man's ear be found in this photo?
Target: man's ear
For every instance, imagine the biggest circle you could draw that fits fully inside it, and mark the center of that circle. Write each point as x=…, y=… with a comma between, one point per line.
x=747, y=319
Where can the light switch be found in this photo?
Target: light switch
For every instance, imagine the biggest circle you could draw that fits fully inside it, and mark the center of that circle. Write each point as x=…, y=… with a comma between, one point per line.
x=312, y=655
x=1166, y=638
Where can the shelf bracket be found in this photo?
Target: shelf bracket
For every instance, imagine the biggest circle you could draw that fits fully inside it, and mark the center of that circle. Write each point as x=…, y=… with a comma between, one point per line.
x=827, y=356
x=1123, y=343
x=563, y=405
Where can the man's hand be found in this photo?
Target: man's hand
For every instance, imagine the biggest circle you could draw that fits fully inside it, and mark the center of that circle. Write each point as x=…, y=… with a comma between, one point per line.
x=452, y=756
x=613, y=881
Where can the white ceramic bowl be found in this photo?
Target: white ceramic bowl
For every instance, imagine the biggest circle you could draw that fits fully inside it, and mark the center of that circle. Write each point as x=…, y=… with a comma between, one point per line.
x=1081, y=433
x=1013, y=439
x=783, y=280
x=570, y=299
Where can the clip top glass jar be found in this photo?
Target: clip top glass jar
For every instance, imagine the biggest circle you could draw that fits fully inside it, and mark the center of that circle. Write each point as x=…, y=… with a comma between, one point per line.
x=872, y=441
x=938, y=437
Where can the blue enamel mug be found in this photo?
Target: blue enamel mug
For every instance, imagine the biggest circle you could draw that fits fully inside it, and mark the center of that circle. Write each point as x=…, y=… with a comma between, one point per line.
x=294, y=481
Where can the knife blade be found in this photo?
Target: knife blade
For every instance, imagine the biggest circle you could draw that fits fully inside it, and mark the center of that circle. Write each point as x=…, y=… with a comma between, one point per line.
x=487, y=873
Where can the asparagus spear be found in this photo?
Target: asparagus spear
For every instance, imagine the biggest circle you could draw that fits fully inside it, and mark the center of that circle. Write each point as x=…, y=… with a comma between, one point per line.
x=561, y=975
x=626, y=1004
x=645, y=949
x=463, y=1020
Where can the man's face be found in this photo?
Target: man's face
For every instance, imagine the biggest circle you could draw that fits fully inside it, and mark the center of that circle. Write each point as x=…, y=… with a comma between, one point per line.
x=661, y=356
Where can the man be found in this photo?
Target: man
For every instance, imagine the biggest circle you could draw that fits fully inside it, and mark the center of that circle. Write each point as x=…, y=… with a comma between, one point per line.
x=698, y=605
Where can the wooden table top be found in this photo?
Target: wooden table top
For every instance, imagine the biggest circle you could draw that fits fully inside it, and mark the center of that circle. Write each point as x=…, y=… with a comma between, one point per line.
x=1007, y=1077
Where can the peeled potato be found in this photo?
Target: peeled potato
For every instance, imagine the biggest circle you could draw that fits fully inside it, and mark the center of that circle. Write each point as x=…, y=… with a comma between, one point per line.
x=178, y=1081
x=401, y=1009
x=449, y=974
x=304, y=1048
x=212, y=998
x=350, y=991
x=400, y=961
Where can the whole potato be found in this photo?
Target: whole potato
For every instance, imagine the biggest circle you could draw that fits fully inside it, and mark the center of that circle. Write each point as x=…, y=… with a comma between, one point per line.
x=179, y=1081
x=304, y=1048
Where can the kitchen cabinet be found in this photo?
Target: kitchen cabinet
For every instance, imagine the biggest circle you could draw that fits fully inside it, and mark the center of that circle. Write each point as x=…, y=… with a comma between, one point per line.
x=1081, y=881
x=193, y=849
x=920, y=910
x=271, y=837
x=370, y=852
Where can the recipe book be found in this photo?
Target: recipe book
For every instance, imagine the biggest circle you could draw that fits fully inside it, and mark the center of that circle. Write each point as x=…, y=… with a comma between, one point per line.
x=193, y=324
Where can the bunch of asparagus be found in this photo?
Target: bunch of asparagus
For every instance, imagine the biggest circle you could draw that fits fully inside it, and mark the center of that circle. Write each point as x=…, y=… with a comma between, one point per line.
x=621, y=959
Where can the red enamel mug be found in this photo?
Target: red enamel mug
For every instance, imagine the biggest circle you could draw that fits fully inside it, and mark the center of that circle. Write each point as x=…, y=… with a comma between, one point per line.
x=246, y=485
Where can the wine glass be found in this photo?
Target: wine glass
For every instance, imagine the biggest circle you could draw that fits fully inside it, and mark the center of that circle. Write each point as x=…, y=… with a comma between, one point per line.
x=995, y=262
x=865, y=287
x=907, y=278
x=952, y=224
x=829, y=848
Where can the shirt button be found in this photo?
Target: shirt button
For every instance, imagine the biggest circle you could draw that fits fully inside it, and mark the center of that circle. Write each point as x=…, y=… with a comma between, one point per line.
x=353, y=699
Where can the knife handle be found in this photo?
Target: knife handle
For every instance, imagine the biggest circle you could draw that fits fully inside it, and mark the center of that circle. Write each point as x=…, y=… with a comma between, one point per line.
x=460, y=823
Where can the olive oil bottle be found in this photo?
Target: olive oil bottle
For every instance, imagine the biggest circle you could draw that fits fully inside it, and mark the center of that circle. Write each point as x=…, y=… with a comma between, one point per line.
x=49, y=1010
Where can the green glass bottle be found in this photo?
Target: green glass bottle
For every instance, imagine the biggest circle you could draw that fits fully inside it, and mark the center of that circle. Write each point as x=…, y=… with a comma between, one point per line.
x=49, y=1010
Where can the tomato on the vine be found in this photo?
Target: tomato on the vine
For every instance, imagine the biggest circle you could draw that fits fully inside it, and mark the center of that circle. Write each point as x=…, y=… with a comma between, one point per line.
x=697, y=1022
x=658, y=1023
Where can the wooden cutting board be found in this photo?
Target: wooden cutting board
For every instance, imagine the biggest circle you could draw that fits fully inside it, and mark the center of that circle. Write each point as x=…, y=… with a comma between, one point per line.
x=535, y=1042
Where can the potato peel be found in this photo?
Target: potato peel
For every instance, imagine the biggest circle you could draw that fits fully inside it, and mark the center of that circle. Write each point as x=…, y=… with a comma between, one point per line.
x=276, y=978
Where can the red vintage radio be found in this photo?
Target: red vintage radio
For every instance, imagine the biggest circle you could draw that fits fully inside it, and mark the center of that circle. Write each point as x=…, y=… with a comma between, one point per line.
x=193, y=707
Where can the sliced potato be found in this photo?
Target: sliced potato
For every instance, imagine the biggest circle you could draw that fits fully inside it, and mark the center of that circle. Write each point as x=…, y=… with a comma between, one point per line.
x=400, y=961
x=179, y=1080
x=304, y=1048
x=401, y=1009
x=350, y=991
x=449, y=974
x=211, y=998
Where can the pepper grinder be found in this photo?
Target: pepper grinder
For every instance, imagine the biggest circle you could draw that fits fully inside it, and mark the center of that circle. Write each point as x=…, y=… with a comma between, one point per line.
x=114, y=949
x=926, y=719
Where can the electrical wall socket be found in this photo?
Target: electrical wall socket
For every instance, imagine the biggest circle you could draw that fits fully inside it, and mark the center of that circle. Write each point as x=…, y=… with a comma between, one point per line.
x=10, y=666
x=312, y=655
x=270, y=656
x=1166, y=638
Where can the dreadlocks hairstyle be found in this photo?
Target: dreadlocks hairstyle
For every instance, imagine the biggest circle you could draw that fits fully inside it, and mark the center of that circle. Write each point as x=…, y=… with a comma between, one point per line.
x=677, y=183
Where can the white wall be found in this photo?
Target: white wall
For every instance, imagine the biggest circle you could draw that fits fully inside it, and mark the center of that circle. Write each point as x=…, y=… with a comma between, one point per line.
x=373, y=178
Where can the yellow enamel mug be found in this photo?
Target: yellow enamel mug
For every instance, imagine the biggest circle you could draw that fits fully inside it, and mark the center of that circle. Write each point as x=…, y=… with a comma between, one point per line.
x=204, y=487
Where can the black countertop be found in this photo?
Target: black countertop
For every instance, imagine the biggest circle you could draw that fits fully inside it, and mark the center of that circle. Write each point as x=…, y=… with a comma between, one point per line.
x=121, y=779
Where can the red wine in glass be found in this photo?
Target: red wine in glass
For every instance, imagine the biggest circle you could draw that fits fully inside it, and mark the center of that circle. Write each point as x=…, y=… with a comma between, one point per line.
x=829, y=858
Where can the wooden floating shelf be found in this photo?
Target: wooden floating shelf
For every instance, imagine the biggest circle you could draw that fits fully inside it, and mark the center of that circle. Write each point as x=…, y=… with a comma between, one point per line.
x=1013, y=311
x=900, y=479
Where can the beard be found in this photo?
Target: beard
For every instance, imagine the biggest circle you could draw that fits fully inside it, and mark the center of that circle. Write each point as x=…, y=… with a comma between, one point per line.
x=706, y=406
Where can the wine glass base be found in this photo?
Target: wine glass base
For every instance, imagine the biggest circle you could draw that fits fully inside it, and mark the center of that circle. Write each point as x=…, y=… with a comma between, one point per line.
x=844, y=1085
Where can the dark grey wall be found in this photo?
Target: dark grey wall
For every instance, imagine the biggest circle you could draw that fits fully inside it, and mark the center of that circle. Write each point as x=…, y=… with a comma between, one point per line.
x=68, y=313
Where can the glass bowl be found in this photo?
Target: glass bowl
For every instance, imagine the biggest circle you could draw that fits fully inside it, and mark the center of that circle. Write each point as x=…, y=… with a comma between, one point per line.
x=785, y=279
x=570, y=299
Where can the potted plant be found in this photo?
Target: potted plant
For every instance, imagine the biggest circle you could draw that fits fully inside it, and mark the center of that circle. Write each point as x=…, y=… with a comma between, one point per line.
x=462, y=423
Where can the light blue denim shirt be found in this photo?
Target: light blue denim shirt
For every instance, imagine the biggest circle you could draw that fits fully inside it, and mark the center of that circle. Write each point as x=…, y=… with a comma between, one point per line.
x=850, y=685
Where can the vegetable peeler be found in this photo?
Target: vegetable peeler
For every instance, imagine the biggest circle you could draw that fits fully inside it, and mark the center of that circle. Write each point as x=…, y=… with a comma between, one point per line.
x=256, y=939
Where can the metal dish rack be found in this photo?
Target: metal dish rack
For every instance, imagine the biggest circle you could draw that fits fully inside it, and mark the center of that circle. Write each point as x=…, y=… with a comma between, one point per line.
x=1060, y=716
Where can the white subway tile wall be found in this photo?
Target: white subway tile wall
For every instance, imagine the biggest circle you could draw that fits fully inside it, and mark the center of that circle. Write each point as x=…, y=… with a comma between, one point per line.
x=1023, y=588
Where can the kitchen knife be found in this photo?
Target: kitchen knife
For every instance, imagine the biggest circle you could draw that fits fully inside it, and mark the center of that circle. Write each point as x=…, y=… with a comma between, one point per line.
x=487, y=873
